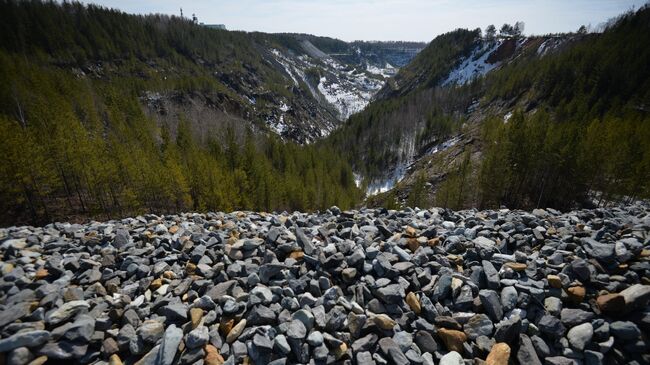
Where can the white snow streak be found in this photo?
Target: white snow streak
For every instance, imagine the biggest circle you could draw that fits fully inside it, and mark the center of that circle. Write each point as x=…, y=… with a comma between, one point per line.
x=474, y=66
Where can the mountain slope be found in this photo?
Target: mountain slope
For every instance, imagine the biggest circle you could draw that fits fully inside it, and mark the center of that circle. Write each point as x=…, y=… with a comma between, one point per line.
x=563, y=122
x=184, y=68
x=104, y=113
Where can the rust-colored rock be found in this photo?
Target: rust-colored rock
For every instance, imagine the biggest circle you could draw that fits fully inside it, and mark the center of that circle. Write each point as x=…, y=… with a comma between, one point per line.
x=114, y=360
x=611, y=303
x=516, y=266
x=39, y=360
x=384, y=322
x=297, y=255
x=225, y=326
x=554, y=281
x=412, y=244
x=236, y=331
x=155, y=284
x=212, y=356
x=173, y=229
x=340, y=351
x=499, y=355
x=41, y=274
x=190, y=268
x=413, y=302
x=453, y=339
x=410, y=231
x=433, y=242
x=195, y=316
x=576, y=294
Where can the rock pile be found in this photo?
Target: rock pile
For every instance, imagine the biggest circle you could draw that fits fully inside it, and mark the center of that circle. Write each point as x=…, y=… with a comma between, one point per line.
x=356, y=287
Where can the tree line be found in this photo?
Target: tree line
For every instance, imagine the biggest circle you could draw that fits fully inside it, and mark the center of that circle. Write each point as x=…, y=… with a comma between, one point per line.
x=77, y=143
x=581, y=133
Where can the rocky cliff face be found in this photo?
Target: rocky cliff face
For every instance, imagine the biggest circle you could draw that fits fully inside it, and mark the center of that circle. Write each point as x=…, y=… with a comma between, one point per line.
x=370, y=286
x=312, y=91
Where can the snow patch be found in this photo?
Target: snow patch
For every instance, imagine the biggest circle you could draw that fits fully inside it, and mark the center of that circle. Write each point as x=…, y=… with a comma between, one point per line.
x=386, y=71
x=507, y=117
x=382, y=186
x=347, y=90
x=277, y=125
x=475, y=65
x=549, y=45
x=444, y=145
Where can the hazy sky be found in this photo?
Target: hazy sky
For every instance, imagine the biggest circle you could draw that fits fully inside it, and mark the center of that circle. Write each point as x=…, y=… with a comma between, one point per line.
x=419, y=20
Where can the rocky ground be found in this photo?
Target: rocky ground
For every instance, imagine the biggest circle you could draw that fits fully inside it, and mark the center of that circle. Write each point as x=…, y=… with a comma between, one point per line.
x=358, y=287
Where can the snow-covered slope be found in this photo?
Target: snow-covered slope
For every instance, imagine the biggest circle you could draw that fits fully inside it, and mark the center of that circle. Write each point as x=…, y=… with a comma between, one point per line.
x=348, y=90
x=345, y=88
x=475, y=65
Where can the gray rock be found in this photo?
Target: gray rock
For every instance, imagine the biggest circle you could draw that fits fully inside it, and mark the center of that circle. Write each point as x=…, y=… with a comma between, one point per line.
x=63, y=350
x=558, y=360
x=452, y=358
x=262, y=342
x=81, y=329
x=365, y=343
x=268, y=271
x=281, y=345
x=197, y=337
x=508, y=330
x=509, y=297
x=306, y=317
x=581, y=269
x=151, y=331
x=603, y=252
x=175, y=312
x=636, y=296
x=580, y=336
x=320, y=352
x=24, y=339
x=261, y=315
x=19, y=356
x=392, y=294
x=315, y=338
x=571, y=317
x=443, y=288
x=296, y=330
x=66, y=311
x=594, y=358
x=306, y=244
x=389, y=348
x=478, y=325
x=491, y=275
x=541, y=347
x=526, y=353
x=425, y=342
x=624, y=330
x=553, y=305
x=404, y=340
x=491, y=304
x=192, y=356
x=122, y=238
x=169, y=345
x=365, y=358
x=551, y=326
x=14, y=313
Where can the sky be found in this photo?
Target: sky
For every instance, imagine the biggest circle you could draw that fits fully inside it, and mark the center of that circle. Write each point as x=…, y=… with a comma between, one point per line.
x=408, y=20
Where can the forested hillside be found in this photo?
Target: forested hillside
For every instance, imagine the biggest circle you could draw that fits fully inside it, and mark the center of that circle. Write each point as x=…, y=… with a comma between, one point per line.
x=77, y=140
x=564, y=128
x=408, y=113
